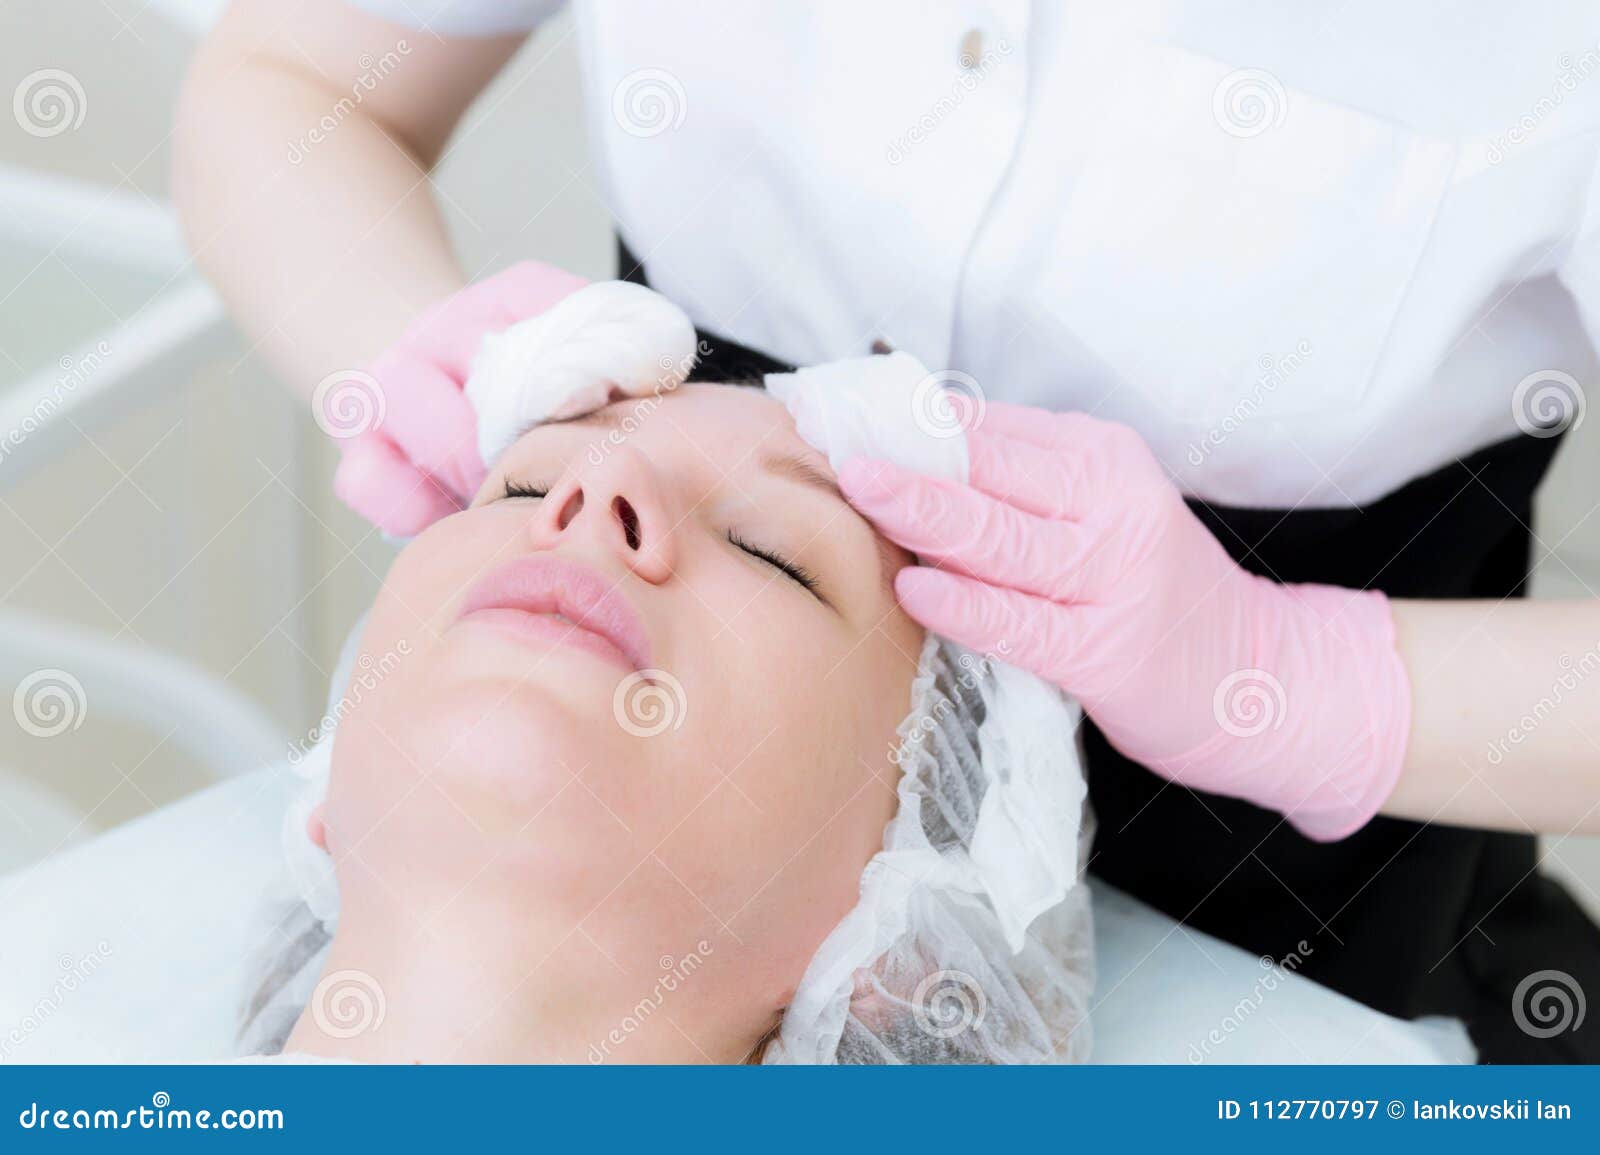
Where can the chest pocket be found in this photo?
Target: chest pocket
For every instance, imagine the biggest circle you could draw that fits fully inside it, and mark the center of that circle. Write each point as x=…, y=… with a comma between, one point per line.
x=1218, y=223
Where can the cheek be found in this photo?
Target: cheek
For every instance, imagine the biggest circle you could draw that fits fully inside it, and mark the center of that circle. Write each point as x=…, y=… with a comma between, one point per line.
x=430, y=576
x=793, y=797
x=780, y=861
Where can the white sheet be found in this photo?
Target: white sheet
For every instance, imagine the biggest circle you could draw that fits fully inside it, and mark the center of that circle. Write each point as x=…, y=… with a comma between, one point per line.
x=143, y=945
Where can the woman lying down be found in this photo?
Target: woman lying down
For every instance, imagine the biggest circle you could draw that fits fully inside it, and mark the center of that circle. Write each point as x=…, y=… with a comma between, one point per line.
x=665, y=775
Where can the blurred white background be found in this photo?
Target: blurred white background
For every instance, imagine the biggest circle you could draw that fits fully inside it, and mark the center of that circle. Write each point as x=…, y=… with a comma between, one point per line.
x=198, y=520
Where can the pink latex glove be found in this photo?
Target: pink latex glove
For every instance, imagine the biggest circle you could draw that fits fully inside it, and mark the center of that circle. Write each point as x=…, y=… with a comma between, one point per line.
x=1072, y=554
x=421, y=463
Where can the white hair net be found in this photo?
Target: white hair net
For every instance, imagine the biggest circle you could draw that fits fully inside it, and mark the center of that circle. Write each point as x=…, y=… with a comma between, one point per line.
x=972, y=939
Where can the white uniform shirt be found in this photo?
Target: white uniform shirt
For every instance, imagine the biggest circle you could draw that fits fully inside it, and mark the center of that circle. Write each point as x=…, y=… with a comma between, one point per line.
x=1309, y=251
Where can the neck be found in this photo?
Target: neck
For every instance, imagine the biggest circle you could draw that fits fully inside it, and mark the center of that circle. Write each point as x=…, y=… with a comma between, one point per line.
x=417, y=1005
x=392, y=991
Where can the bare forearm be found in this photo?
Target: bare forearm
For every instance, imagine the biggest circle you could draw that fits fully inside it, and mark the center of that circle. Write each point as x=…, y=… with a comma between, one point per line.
x=322, y=261
x=1505, y=729
x=301, y=176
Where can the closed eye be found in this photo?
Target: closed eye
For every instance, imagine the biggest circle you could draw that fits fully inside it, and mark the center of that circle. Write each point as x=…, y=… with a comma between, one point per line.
x=519, y=489
x=798, y=573
x=793, y=570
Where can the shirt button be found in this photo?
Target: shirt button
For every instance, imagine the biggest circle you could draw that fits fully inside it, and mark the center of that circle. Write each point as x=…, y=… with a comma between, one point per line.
x=971, y=51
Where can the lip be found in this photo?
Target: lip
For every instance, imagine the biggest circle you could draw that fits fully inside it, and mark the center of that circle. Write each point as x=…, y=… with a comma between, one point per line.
x=530, y=596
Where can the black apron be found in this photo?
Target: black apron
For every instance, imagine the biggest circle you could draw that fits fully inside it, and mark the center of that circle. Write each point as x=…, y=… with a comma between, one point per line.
x=1409, y=919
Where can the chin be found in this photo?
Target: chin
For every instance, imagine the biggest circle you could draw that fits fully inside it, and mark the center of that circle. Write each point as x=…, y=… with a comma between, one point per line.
x=478, y=730
x=499, y=730
x=517, y=742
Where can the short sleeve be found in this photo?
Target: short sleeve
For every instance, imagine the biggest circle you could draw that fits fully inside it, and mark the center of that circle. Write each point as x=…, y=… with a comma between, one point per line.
x=461, y=17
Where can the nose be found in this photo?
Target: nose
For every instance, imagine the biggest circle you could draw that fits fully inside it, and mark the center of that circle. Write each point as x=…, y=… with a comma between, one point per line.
x=618, y=505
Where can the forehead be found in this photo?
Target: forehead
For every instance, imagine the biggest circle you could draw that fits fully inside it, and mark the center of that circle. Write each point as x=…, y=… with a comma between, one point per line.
x=746, y=410
x=729, y=426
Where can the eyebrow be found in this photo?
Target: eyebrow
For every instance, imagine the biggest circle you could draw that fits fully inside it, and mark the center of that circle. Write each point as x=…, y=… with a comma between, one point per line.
x=798, y=469
x=608, y=416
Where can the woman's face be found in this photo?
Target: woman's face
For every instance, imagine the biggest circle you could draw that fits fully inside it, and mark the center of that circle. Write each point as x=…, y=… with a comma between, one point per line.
x=638, y=710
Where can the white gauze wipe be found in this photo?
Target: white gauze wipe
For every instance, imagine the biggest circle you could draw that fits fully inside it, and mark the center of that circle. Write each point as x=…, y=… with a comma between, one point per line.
x=972, y=938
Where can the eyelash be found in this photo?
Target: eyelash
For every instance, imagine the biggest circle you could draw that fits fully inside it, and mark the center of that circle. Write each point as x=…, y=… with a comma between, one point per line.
x=799, y=573
x=801, y=576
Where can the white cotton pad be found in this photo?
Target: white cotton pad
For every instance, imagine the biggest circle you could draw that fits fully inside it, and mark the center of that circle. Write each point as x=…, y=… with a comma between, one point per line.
x=890, y=407
x=608, y=340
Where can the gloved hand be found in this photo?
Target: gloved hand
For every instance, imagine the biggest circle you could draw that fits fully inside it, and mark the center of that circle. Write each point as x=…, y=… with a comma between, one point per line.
x=1072, y=554
x=421, y=463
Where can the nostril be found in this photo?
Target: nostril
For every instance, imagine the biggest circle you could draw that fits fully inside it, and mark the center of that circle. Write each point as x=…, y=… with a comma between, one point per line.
x=570, y=510
x=629, y=519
